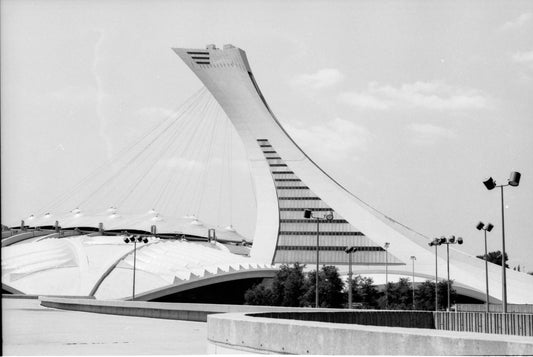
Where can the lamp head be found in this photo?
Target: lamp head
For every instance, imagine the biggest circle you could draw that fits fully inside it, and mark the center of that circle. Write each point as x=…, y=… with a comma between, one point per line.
x=126, y=240
x=329, y=216
x=489, y=227
x=489, y=183
x=442, y=240
x=451, y=239
x=460, y=240
x=514, y=180
x=412, y=257
x=307, y=213
x=387, y=244
x=480, y=226
x=349, y=250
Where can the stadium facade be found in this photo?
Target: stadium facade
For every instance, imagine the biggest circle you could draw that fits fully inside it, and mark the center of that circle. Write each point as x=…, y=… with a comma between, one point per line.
x=286, y=182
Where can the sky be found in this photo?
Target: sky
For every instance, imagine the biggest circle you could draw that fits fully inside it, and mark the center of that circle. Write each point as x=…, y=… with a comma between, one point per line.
x=410, y=105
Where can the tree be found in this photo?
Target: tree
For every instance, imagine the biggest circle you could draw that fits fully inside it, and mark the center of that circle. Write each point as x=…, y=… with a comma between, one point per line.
x=400, y=295
x=288, y=286
x=365, y=292
x=259, y=295
x=286, y=289
x=330, y=288
x=425, y=295
x=495, y=257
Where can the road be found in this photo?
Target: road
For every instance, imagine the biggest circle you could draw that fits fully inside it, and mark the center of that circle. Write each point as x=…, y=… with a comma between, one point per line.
x=30, y=329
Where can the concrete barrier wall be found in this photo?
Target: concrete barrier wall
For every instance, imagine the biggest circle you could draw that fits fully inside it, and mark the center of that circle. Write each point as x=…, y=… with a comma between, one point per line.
x=495, y=323
x=240, y=333
x=521, y=308
x=174, y=311
x=413, y=319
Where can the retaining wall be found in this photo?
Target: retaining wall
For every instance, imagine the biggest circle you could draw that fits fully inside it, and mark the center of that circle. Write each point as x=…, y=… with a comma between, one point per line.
x=240, y=333
x=521, y=308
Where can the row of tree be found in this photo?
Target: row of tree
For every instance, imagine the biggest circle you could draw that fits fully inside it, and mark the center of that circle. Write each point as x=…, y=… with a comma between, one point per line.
x=292, y=287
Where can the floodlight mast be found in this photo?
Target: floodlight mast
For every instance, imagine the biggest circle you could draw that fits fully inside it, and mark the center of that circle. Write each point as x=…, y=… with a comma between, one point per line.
x=514, y=180
x=488, y=228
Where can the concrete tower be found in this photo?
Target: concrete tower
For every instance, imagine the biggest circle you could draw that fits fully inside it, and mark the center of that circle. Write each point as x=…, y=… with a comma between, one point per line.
x=287, y=181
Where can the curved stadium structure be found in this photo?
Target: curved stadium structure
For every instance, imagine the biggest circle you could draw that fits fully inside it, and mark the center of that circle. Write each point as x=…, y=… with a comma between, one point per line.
x=286, y=183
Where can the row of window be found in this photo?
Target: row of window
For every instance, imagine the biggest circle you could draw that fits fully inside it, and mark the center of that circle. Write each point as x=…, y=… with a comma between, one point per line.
x=292, y=188
x=299, y=198
x=198, y=53
x=322, y=233
x=303, y=209
x=329, y=247
x=304, y=220
x=283, y=173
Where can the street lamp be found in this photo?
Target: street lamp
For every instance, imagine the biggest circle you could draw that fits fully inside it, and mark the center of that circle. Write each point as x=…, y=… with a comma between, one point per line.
x=488, y=228
x=436, y=242
x=386, y=246
x=134, y=240
x=449, y=241
x=413, y=258
x=327, y=217
x=349, y=251
x=514, y=180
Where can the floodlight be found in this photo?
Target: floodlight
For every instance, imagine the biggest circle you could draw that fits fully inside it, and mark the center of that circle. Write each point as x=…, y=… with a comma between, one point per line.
x=126, y=240
x=460, y=240
x=489, y=227
x=451, y=239
x=514, y=180
x=442, y=240
x=480, y=226
x=307, y=213
x=145, y=240
x=387, y=244
x=489, y=183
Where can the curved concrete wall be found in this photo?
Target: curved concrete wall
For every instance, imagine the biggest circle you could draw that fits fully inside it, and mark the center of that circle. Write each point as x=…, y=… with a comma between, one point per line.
x=238, y=333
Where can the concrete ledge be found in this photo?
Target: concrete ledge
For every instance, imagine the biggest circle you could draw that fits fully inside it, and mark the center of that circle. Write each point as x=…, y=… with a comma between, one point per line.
x=159, y=310
x=26, y=296
x=241, y=333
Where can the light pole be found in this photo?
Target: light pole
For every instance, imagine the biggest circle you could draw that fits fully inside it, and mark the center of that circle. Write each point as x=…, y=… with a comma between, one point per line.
x=449, y=241
x=488, y=228
x=514, y=180
x=413, y=258
x=134, y=240
x=349, y=251
x=328, y=217
x=436, y=242
x=386, y=246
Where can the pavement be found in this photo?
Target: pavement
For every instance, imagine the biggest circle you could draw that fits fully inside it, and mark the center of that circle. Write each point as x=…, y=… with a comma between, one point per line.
x=29, y=329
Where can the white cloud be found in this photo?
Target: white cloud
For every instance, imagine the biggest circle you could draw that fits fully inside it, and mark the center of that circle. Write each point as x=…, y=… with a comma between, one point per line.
x=525, y=58
x=520, y=21
x=324, y=78
x=426, y=134
x=427, y=95
x=336, y=140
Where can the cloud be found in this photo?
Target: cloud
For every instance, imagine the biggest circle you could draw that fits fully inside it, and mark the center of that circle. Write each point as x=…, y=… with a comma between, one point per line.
x=520, y=21
x=436, y=95
x=427, y=134
x=525, y=58
x=324, y=78
x=335, y=140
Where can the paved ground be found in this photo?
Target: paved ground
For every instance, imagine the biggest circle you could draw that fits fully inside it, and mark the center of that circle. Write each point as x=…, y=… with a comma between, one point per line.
x=30, y=329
